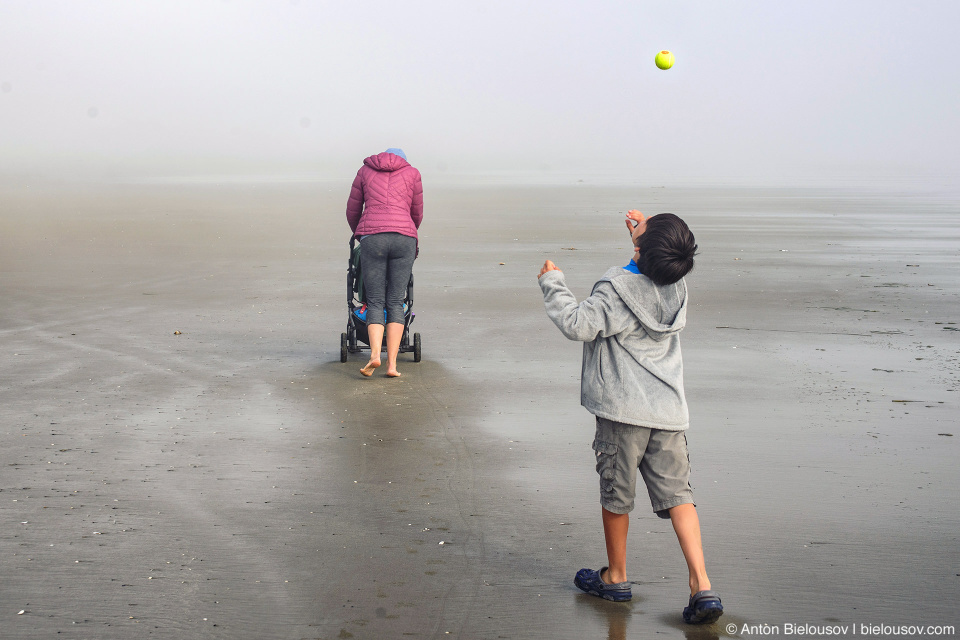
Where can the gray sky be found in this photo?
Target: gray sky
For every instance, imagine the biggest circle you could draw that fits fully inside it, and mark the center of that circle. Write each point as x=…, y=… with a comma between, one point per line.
x=762, y=91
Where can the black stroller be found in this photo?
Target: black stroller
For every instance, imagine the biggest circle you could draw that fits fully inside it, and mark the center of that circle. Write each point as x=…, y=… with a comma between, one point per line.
x=350, y=342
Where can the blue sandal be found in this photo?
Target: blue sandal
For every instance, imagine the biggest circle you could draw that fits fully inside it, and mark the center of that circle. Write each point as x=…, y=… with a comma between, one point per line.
x=705, y=607
x=589, y=580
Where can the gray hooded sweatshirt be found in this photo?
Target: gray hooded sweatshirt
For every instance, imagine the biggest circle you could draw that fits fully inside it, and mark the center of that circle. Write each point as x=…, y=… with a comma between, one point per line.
x=630, y=327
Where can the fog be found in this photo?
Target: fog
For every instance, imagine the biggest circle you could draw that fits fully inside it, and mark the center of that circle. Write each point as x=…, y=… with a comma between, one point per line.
x=761, y=92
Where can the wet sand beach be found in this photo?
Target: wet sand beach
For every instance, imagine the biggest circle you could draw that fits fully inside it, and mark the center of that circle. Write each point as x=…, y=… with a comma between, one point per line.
x=184, y=455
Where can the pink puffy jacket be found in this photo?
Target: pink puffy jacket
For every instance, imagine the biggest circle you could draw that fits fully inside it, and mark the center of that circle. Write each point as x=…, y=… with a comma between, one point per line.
x=386, y=196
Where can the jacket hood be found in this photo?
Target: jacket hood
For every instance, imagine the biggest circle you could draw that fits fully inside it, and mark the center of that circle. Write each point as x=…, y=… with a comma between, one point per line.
x=662, y=310
x=385, y=162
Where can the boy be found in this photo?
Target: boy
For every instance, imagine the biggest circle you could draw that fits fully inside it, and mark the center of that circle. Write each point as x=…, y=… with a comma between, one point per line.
x=632, y=381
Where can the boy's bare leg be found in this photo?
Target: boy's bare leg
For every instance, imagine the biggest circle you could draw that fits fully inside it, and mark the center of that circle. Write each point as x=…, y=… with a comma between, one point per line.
x=686, y=524
x=375, y=333
x=394, y=335
x=615, y=526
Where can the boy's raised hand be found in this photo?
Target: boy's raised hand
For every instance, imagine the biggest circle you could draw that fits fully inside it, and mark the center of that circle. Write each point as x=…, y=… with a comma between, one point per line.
x=636, y=222
x=548, y=266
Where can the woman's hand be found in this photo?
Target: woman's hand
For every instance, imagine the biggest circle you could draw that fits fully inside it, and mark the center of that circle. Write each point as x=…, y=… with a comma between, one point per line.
x=548, y=266
x=636, y=223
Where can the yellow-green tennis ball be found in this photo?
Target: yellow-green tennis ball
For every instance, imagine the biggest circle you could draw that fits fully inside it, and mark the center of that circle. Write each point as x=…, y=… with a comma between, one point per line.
x=664, y=60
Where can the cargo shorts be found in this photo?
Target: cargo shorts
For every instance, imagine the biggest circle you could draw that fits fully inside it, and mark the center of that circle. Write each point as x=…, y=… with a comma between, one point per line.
x=660, y=455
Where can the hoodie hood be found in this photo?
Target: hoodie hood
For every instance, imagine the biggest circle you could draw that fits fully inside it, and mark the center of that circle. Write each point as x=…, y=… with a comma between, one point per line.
x=385, y=162
x=662, y=310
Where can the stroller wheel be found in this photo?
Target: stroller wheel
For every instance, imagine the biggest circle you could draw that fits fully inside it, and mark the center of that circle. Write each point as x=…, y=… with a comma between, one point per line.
x=343, y=347
x=416, y=347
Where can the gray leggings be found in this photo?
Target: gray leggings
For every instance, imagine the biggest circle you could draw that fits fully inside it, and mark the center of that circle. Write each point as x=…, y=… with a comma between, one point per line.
x=386, y=261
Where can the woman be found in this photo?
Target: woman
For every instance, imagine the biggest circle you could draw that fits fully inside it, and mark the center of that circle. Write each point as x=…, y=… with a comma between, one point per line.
x=384, y=211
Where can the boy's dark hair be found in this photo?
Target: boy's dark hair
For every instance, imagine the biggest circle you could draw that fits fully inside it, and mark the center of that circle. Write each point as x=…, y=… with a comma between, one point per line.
x=666, y=248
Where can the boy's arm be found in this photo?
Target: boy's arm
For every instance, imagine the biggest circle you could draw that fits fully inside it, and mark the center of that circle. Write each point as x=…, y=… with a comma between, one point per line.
x=603, y=314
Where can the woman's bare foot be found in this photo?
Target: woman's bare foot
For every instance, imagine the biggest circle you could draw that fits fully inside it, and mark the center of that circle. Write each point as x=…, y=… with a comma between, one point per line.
x=370, y=367
x=393, y=373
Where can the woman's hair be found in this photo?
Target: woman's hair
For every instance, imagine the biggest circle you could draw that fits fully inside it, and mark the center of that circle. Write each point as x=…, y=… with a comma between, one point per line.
x=666, y=249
